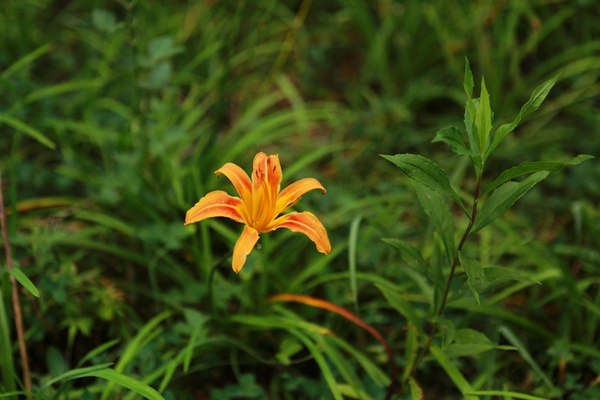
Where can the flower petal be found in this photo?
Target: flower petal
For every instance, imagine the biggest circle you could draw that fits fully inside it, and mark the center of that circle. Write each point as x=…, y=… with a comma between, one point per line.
x=216, y=204
x=291, y=194
x=266, y=181
x=240, y=180
x=307, y=223
x=243, y=247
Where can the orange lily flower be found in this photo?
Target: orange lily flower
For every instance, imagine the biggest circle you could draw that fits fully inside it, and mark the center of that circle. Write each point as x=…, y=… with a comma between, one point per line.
x=259, y=206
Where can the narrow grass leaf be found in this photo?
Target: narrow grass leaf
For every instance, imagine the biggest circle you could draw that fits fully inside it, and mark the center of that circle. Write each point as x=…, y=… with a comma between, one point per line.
x=351, y=392
x=352, y=239
x=434, y=205
x=475, y=274
x=98, y=350
x=459, y=380
x=75, y=373
x=505, y=393
x=425, y=172
x=24, y=280
x=9, y=378
x=321, y=362
x=402, y=305
x=370, y=367
x=23, y=61
x=528, y=167
x=453, y=137
x=342, y=365
x=127, y=382
x=62, y=88
x=515, y=341
x=28, y=130
x=503, y=198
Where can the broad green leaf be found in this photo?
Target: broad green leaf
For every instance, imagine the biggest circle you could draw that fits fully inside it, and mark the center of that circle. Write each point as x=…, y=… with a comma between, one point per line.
x=503, y=198
x=537, y=98
x=403, y=306
x=459, y=380
x=28, y=130
x=288, y=348
x=454, y=138
x=529, y=167
x=127, y=382
x=438, y=212
x=468, y=342
x=483, y=119
x=425, y=172
x=474, y=272
x=24, y=280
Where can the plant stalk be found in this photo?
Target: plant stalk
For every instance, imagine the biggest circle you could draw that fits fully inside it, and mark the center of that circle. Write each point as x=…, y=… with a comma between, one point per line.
x=15, y=295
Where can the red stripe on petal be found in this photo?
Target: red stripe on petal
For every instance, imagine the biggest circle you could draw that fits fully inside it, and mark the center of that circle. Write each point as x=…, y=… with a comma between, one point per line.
x=291, y=194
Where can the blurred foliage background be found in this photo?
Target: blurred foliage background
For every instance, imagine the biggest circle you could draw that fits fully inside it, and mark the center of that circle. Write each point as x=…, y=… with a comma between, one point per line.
x=114, y=115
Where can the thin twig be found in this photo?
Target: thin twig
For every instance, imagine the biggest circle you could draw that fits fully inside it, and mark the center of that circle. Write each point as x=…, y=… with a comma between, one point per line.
x=15, y=295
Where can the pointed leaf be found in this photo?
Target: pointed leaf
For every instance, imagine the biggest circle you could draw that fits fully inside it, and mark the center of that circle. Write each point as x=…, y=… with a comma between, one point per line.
x=529, y=167
x=503, y=198
x=468, y=83
x=24, y=280
x=483, y=119
x=453, y=372
x=454, y=138
x=28, y=130
x=438, y=212
x=127, y=382
x=425, y=172
x=536, y=99
x=474, y=272
x=416, y=393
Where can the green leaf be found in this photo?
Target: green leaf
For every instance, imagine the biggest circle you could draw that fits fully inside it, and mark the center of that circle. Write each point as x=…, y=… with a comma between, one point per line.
x=416, y=393
x=483, y=119
x=447, y=328
x=127, y=382
x=454, y=138
x=537, y=98
x=410, y=254
x=468, y=83
x=411, y=350
x=459, y=380
x=24, y=280
x=425, y=172
x=438, y=212
x=506, y=394
x=503, y=198
x=103, y=20
x=529, y=167
x=403, y=306
x=497, y=275
x=28, y=130
x=23, y=61
x=474, y=273
x=468, y=342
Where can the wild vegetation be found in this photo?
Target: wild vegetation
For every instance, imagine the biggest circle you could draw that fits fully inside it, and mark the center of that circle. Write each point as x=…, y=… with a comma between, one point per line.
x=455, y=141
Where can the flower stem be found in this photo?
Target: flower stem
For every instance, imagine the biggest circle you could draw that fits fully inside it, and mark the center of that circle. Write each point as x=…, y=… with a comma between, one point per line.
x=15, y=295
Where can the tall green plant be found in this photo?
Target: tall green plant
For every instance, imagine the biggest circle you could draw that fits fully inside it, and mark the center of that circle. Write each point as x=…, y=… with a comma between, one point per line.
x=477, y=142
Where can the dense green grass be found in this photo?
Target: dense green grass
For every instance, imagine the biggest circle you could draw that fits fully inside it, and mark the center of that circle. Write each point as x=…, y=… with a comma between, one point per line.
x=114, y=116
